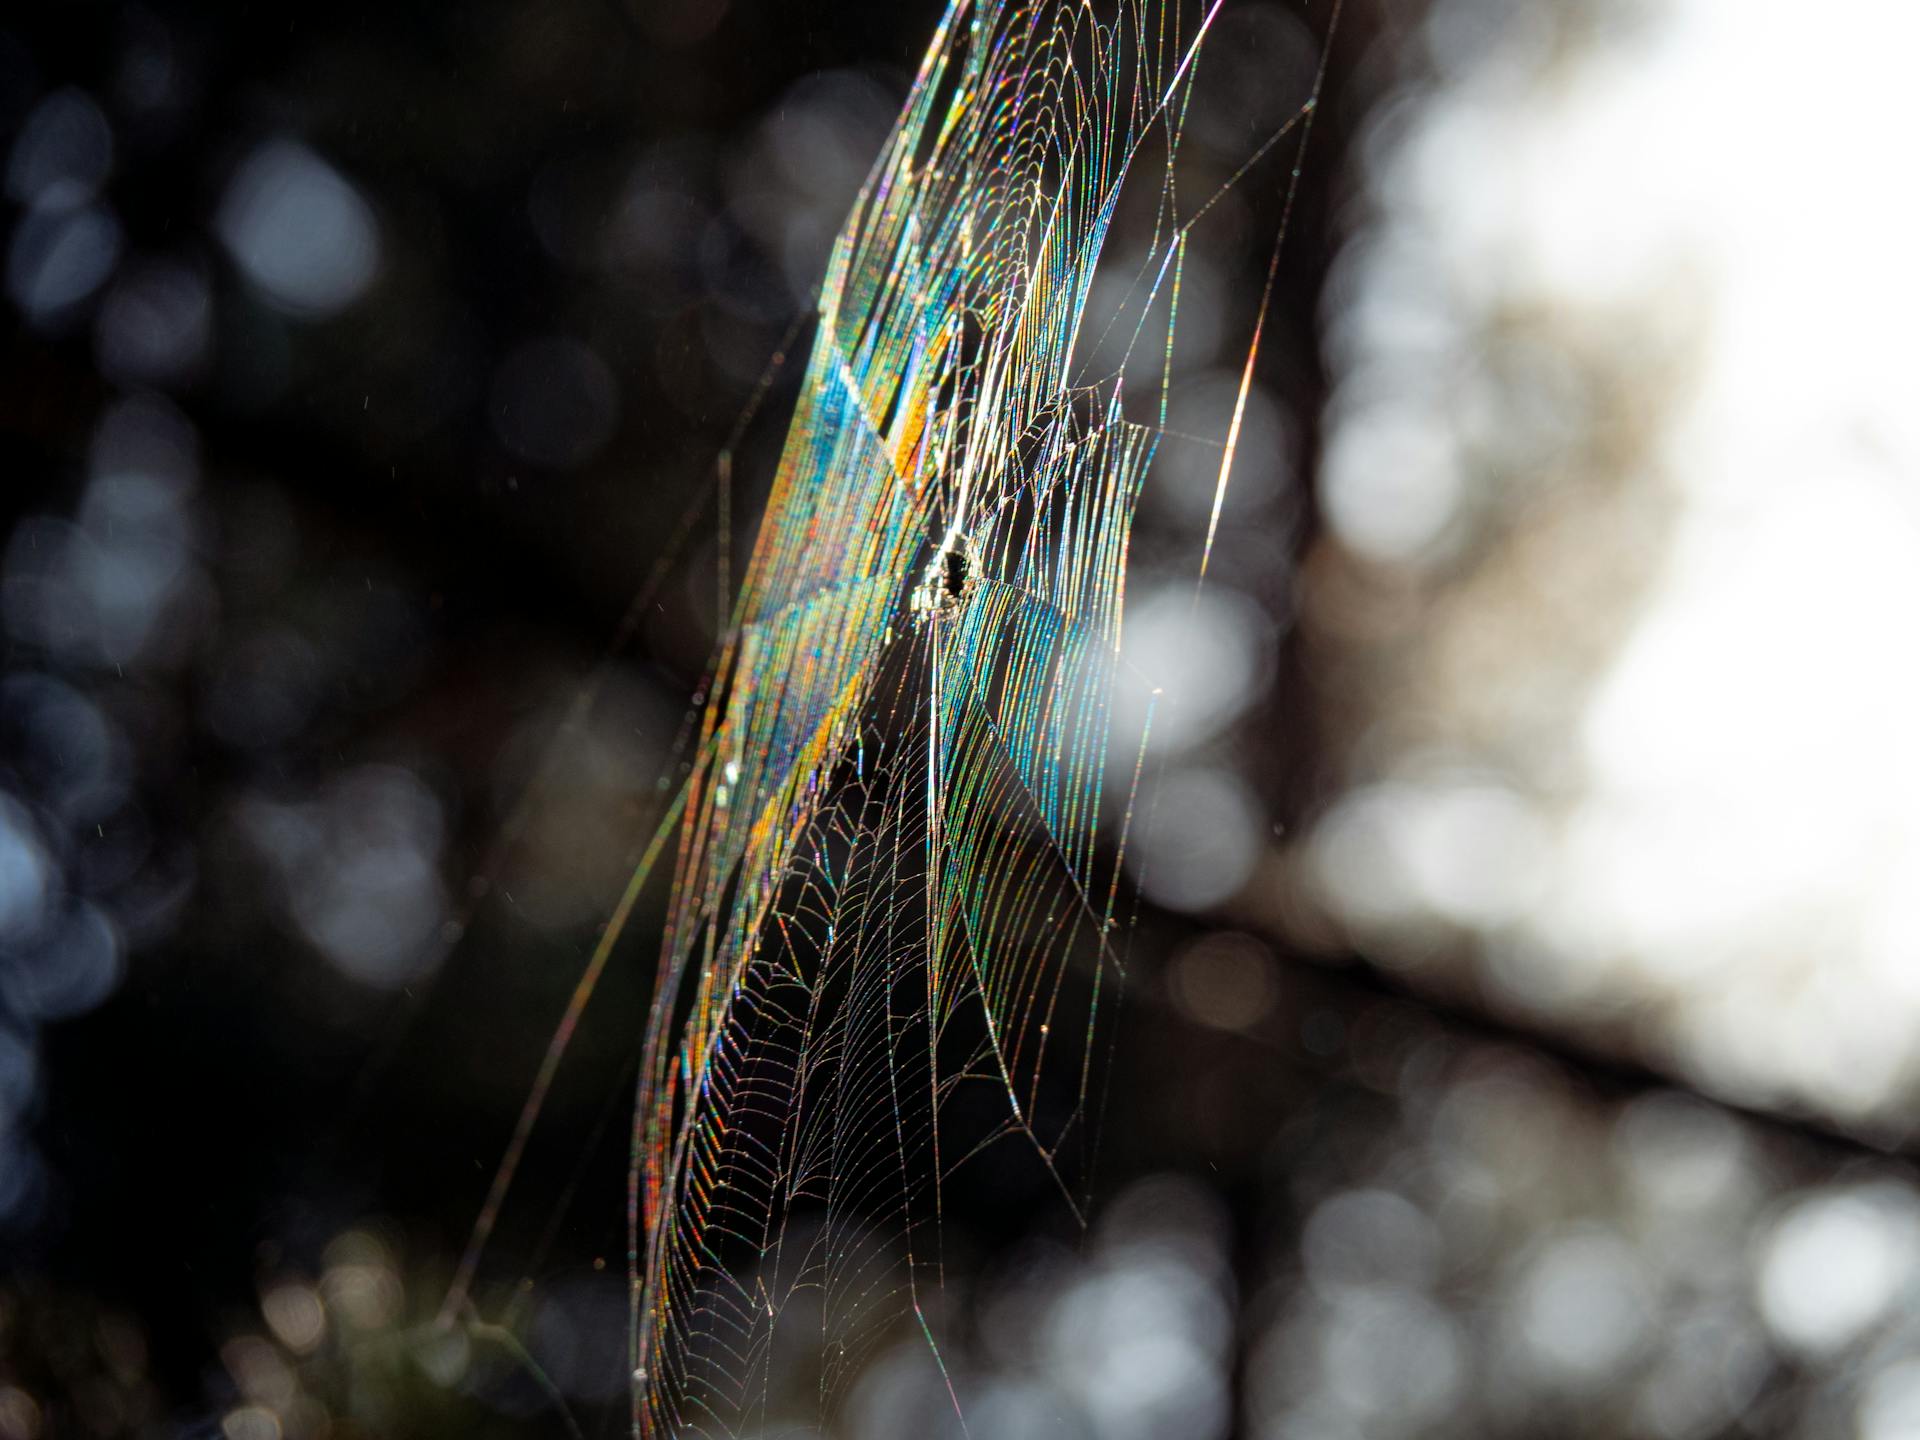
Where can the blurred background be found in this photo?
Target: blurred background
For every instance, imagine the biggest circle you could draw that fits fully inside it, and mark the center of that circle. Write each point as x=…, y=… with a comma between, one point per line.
x=1524, y=1031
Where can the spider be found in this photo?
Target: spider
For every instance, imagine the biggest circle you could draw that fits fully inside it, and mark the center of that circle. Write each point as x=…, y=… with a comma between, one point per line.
x=950, y=577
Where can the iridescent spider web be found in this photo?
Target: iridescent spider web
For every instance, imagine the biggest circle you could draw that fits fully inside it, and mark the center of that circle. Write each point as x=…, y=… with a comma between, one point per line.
x=895, y=927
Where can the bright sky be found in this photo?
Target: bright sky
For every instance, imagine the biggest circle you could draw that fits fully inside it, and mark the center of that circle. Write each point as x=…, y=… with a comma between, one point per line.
x=1746, y=850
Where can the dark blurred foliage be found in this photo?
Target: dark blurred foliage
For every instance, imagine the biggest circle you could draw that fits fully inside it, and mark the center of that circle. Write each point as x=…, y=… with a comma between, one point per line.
x=363, y=365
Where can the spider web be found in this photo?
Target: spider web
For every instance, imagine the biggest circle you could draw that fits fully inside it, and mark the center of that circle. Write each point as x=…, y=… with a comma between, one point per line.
x=894, y=934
